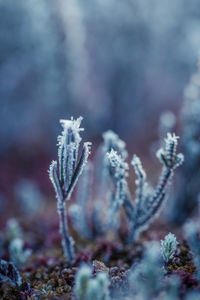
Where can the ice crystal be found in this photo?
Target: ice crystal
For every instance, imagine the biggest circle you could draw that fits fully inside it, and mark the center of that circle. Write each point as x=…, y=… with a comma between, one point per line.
x=168, y=155
x=112, y=141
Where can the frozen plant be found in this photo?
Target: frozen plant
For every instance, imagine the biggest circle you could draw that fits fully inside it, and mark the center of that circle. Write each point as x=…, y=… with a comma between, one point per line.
x=148, y=204
x=168, y=247
x=119, y=171
x=146, y=277
x=166, y=123
x=82, y=277
x=115, y=171
x=8, y=272
x=148, y=201
x=98, y=287
x=111, y=141
x=88, y=288
x=65, y=176
x=17, y=253
x=191, y=230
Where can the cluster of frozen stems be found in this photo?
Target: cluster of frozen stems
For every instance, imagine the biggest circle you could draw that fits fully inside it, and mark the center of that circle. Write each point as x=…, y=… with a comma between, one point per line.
x=148, y=201
x=114, y=167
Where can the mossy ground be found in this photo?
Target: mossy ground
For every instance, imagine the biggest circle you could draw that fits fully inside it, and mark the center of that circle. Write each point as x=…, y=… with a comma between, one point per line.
x=50, y=276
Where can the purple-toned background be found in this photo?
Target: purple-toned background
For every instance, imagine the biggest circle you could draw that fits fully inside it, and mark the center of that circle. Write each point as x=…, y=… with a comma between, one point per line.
x=119, y=64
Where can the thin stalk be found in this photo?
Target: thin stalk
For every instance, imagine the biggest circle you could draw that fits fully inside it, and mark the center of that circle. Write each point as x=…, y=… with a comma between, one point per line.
x=64, y=231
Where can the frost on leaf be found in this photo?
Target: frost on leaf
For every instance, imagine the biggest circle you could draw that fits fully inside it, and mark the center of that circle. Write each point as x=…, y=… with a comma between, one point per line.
x=168, y=247
x=65, y=173
x=148, y=204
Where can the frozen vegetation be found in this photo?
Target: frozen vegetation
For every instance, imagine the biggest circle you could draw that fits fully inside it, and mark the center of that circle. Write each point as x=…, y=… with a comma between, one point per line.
x=118, y=218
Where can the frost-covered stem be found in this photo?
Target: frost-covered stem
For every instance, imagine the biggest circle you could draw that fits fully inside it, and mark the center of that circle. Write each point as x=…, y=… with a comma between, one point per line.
x=140, y=182
x=156, y=201
x=136, y=162
x=128, y=206
x=121, y=194
x=158, y=196
x=125, y=197
x=67, y=241
x=166, y=174
x=120, y=197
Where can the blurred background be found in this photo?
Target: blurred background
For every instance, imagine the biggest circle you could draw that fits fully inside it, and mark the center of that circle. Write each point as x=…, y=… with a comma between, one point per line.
x=119, y=64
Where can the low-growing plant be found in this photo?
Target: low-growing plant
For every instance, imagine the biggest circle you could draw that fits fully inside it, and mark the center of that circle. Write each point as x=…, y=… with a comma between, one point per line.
x=148, y=201
x=90, y=288
x=65, y=176
x=168, y=247
x=18, y=255
x=146, y=277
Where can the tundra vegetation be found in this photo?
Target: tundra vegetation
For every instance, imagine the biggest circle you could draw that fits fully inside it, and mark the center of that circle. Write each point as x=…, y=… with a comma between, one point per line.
x=110, y=238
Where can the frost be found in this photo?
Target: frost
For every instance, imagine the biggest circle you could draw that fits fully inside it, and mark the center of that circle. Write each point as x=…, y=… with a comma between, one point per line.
x=168, y=247
x=65, y=173
x=147, y=206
